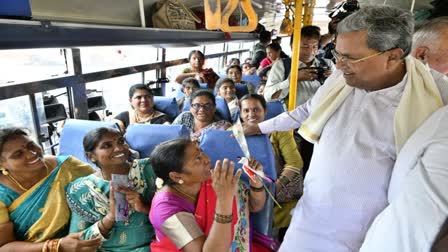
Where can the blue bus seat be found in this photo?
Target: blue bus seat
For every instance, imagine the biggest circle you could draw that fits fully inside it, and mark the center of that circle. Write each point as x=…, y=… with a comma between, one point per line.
x=73, y=134
x=252, y=78
x=221, y=108
x=274, y=109
x=167, y=105
x=144, y=137
x=241, y=90
x=219, y=144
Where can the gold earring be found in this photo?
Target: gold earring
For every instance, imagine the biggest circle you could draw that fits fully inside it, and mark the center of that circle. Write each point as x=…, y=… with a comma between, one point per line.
x=180, y=181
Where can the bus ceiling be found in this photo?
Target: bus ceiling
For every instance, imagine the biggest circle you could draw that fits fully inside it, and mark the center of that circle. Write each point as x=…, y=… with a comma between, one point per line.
x=59, y=24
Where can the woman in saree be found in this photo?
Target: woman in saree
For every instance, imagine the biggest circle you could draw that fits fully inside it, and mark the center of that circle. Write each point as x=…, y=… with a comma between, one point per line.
x=92, y=201
x=197, y=70
x=289, y=184
x=200, y=209
x=202, y=115
x=34, y=215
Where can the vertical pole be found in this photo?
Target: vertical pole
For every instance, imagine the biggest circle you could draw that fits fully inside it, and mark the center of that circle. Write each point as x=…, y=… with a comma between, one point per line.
x=295, y=54
x=77, y=93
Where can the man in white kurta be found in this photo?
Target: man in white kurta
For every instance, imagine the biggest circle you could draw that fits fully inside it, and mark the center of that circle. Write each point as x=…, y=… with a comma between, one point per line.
x=418, y=192
x=347, y=183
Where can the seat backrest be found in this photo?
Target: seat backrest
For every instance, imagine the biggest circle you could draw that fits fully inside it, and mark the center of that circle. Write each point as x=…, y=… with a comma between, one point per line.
x=221, y=108
x=144, y=137
x=218, y=144
x=241, y=90
x=252, y=78
x=274, y=109
x=72, y=135
x=167, y=105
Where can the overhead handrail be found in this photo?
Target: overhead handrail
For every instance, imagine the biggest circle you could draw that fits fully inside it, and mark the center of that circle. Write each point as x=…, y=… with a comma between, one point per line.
x=215, y=19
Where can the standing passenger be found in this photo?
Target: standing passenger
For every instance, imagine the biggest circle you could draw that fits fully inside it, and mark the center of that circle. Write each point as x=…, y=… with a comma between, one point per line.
x=358, y=120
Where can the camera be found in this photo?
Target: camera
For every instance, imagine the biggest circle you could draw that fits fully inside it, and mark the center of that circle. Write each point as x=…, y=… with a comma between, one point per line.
x=320, y=72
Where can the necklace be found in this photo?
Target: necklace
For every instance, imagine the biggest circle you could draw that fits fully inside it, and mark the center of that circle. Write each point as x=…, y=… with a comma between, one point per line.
x=12, y=179
x=145, y=119
x=184, y=193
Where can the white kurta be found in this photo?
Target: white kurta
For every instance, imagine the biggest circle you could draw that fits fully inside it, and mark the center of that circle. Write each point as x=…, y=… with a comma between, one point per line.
x=347, y=183
x=418, y=192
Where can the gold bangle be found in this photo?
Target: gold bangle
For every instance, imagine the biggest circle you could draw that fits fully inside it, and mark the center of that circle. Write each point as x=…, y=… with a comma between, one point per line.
x=45, y=246
x=58, y=245
x=223, y=219
x=54, y=245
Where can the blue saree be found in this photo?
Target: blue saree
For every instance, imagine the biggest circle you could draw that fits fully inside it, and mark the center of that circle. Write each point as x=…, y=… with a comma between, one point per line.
x=41, y=213
x=88, y=199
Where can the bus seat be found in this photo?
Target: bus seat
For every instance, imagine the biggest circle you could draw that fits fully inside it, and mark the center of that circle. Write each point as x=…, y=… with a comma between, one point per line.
x=241, y=90
x=252, y=78
x=274, y=109
x=167, y=105
x=203, y=85
x=218, y=144
x=221, y=108
x=73, y=133
x=144, y=137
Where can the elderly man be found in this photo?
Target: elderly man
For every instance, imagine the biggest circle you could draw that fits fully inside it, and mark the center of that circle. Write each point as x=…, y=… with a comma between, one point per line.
x=430, y=44
x=359, y=120
x=418, y=194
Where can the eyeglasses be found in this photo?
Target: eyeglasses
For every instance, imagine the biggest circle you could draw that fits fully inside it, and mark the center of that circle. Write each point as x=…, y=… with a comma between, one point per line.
x=205, y=106
x=350, y=62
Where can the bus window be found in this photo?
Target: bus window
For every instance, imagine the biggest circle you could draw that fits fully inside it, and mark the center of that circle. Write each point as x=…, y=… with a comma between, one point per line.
x=109, y=57
x=19, y=66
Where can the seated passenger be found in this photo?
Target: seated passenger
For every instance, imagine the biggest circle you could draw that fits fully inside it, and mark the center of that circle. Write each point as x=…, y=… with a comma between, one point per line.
x=225, y=87
x=200, y=208
x=142, y=111
x=246, y=69
x=91, y=198
x=260, y=88
x=33, y=212
x=196, y=70
x=235, y=72
x=273, y=52
x=234, y=61
x=289, y=184
x=189, y=85
x=202, y=115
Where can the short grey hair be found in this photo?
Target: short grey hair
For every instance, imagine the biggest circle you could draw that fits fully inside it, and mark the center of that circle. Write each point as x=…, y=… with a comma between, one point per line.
x=387, y=27
x=429, y=31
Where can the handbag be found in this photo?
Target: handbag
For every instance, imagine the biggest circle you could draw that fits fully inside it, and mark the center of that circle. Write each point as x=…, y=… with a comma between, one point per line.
x=173, y=14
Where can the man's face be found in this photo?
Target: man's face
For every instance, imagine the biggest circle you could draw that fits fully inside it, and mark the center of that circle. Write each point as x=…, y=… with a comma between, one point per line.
x=308, y=49
x=436, y=54
x=366, y=74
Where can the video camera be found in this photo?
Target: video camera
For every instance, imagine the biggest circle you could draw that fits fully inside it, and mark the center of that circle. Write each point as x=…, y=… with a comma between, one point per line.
x=320, y=72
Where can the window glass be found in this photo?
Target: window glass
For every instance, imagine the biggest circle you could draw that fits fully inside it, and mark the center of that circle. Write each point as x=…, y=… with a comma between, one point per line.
x=180, y=52
x=19, y=66
x=115, y=92
x=233, y=46
x=102, y=58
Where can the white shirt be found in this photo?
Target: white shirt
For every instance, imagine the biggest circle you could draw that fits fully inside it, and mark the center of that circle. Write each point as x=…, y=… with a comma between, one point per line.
x=347, y=183
x=276, y=81
x=418, y=192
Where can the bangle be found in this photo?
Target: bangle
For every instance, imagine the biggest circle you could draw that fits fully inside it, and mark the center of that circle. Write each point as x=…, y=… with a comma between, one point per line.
x=256, y=189
x=54, y=245
x=223, y=219
x=45, y=246
x=58, y=245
